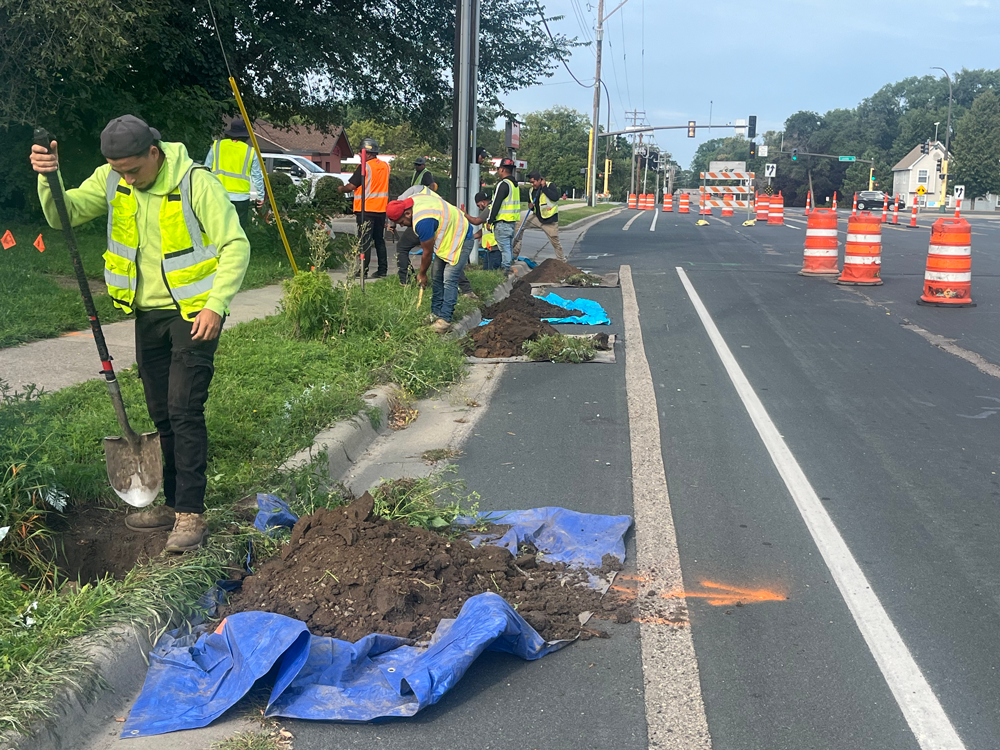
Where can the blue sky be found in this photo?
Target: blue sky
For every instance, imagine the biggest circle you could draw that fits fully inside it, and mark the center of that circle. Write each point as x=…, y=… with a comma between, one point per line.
x=770, y=59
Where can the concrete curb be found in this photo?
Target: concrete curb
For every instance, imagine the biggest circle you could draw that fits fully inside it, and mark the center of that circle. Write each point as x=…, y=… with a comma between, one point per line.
x=593, y=218
x=120, y=655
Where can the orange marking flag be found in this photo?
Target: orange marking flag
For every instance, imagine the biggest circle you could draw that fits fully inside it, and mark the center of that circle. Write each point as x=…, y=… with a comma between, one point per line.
x=40, y=244
x=7, y=240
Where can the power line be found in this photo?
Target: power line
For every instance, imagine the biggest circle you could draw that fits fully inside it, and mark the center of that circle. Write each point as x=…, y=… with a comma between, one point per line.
x=628, y=89
x=558, y=54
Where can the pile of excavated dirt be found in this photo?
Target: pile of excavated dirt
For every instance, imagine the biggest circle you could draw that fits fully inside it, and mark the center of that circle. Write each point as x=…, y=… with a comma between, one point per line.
x=521, y=299
x=505, y=335
x=550, y=271
x=346, y=573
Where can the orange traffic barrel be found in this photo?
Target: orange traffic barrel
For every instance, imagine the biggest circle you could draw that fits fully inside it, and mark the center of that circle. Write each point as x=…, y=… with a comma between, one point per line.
x=863, y=251
x=727, y=209
x=763, y=206
x=706, y=209
x=684, y=204
x=631, y=200
x=820, y=257
x=650, y=202
x=776, y=210
x=948, y=278
x=668, y=202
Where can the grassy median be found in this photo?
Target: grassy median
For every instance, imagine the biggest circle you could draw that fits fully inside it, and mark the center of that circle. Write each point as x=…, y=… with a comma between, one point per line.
x=271, y=394
x=568, y=217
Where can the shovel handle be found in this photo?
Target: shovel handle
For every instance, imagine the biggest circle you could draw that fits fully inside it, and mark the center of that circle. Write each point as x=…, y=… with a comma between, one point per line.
x=44, y=139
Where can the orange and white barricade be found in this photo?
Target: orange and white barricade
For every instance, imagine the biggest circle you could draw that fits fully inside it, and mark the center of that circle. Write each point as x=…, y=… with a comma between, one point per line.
x=948, y=277
x=863, y=251
x=776, y=210
x=705, y=208
x=727, y=209
x=632, y=200
x=763, y=205
x=684, y=203
x=668, y=203
x=820, y=256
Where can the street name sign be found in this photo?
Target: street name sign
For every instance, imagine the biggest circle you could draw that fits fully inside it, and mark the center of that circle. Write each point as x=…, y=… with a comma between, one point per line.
x=848, y=158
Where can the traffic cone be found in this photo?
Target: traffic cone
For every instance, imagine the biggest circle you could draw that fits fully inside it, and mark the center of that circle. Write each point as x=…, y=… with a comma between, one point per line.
x=863, y=251
x=820, y=256
x=913, y=216
x=895, y=209
x=948, y=277
x=808, y=200
x=854, y=208
x=885, y=208
x=834, y=200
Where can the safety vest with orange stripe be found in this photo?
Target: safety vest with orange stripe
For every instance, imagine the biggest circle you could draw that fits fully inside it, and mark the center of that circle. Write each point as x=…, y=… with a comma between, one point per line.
x=376, y=187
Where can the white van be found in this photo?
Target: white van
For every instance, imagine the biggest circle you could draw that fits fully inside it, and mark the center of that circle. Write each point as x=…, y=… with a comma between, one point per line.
x=298, y=168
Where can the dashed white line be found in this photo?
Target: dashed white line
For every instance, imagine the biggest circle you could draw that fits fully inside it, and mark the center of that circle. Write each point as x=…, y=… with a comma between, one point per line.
x=921, y=708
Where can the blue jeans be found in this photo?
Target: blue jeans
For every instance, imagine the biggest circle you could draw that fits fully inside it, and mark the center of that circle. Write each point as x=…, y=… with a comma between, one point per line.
x=444, y=282
x=504, y=232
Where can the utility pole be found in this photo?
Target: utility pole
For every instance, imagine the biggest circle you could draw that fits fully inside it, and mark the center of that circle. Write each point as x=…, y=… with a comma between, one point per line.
x=598, y=37
x=465, y=109
x=947, y=141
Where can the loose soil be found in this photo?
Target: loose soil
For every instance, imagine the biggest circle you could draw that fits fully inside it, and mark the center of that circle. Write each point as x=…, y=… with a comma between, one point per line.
x=346, y=574
x=521, y=299
x=96, y=543
x=550, y=271
x=505, y=335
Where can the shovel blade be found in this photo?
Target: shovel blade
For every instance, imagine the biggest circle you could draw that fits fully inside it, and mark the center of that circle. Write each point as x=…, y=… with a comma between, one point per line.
x=135, y=474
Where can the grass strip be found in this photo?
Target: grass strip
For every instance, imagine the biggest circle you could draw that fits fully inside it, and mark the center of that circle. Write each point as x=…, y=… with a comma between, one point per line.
x=568, y=217
x=271, y=394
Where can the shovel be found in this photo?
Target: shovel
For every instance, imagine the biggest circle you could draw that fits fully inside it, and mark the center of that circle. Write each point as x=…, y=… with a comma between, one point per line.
x=135, y=465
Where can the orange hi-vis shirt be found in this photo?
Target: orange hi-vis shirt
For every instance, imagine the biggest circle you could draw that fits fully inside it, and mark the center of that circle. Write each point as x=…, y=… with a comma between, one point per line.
x=376, y=187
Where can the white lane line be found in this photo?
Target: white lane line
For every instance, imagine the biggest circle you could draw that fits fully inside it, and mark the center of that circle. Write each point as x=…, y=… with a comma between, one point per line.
x=652, y=227
x=631, y=221
x=921, y=708
x=675, y=711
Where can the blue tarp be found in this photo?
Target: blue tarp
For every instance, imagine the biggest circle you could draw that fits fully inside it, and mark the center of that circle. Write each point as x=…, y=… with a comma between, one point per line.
x=191, y=682
x=593, y=313
x=195, y=677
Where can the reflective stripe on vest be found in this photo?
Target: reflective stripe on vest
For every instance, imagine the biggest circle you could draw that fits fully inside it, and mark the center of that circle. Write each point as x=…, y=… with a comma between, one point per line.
x=452, y=225
x=228, y=156
x=545, y=207
x=510, y=209
x=417, y=177
x=189, y=258
x=376, y=187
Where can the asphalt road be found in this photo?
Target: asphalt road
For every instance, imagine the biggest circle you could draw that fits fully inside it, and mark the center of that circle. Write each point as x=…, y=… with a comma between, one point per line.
x=899, y=437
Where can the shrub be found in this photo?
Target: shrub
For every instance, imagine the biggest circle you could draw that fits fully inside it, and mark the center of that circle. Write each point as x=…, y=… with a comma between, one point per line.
x=327, y=199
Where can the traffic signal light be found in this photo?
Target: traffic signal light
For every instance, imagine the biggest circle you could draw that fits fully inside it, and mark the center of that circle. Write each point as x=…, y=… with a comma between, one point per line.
x=939, y=166
x=753, y=150
x=795, y=154
x=925, y=147
x=752, y=126
x=690, y=128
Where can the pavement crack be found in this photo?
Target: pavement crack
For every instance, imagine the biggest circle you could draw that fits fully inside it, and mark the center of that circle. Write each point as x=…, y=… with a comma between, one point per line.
x=981, y=363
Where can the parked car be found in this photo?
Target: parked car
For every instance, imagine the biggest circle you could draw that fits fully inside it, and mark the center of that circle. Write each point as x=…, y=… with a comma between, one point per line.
x=298, y=168
x=870, y=200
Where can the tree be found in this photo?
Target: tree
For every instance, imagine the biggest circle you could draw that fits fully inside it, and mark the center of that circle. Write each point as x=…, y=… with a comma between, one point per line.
x=977, y=146
x=74, y=64
x=555, y=142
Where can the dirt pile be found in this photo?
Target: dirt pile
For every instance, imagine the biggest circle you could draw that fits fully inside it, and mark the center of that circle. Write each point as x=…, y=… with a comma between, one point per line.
x=521, y=299
x=346, y=573
x=550, y=271
x=505, y=335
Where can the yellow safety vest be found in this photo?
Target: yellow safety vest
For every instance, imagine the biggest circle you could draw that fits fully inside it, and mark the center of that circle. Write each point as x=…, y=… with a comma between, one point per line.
x=231, y=164
x=189, y=257
x=452, y=225
x=546, y=208
x=488, y=239
x=510, y=209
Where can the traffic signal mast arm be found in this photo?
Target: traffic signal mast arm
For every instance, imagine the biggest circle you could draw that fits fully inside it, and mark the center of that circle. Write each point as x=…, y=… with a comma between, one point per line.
x=645, y=129
x=798, y=152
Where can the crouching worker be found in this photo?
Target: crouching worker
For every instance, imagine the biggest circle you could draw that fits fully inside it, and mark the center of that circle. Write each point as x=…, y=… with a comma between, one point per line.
x=176, y=257
x=491, y=255
x=446, y=239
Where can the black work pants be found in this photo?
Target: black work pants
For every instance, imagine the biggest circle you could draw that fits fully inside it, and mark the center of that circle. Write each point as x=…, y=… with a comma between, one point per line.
x=176, y=372
x=376, y=238
x=243, y=211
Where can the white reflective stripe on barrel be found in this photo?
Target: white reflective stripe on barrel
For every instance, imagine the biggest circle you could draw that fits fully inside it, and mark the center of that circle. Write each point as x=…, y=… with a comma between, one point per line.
x=821, y=232
x=867, y=239
x=821, y=251
x=938, y=276
x=950, y=250
x=863, y=260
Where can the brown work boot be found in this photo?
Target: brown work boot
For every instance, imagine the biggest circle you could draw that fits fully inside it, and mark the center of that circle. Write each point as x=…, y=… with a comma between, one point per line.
x=159, y=518
x=441, y=326
x=190, y=530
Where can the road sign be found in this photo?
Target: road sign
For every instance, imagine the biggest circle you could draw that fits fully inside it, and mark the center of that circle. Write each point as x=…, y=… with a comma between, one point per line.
x=959, y=192
x=848, y=158
x=921, y=190
x=727, y=166
x=762, y=151
x=770, y=170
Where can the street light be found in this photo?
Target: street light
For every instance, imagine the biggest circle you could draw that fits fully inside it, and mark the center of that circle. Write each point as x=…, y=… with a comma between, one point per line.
x=947, y=139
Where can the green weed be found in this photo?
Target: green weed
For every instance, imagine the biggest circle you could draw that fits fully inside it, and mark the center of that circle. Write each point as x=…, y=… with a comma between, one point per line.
x=432, y=503
x=560, y=348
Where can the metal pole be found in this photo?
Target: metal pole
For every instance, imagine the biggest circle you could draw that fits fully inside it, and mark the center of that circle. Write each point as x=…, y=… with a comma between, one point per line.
x=598, y=37
x=645, y=173
x=460, y=158
x=947, y=142
x=473, y=167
